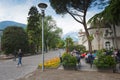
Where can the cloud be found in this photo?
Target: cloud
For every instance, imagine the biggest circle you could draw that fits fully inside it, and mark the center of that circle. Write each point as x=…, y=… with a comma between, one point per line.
x=17, y=10
x=67, y=23
x=14, y=11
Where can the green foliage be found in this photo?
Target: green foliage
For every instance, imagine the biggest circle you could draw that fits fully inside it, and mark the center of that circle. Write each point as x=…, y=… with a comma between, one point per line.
x=110, y=15
x=68, y=60
x=104, y=61
x=34, y=29
x=51, y=33
x=80, y=48
x=69, y=42
x=14, y=38
x=112, y=12
x=65, y=6
x=77, y=9
x=60, y=44
x=91, y=37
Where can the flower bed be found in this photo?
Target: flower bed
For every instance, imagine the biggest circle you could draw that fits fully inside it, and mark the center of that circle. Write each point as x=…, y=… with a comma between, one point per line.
x=52, y=63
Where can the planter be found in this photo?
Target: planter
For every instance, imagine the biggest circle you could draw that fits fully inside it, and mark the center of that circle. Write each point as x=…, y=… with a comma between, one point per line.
x=69, y=67
x=69, y=61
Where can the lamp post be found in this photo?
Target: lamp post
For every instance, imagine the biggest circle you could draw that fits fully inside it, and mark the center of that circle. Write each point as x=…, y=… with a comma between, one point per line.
x=42, y=6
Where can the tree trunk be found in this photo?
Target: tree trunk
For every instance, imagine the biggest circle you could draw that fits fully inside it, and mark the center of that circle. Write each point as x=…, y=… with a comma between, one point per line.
x=115, y=37
x=88, y=35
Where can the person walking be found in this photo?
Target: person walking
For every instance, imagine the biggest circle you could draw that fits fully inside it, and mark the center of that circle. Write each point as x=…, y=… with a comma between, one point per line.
x=90, y=59
x=20, y=54
x=78, y=57
x=60, y=56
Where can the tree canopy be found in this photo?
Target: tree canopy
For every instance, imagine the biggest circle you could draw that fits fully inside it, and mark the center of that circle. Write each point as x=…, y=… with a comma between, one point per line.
x=77, y=9
x=14, y=38
x=34, y=28
x=110, y=17
x=111, y=14
x=52, y=33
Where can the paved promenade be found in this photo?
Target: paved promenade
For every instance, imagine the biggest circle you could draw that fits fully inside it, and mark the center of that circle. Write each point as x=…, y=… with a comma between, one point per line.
x=9, y=71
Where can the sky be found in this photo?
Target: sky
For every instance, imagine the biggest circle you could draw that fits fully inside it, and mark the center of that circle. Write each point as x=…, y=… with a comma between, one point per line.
x=17, y=10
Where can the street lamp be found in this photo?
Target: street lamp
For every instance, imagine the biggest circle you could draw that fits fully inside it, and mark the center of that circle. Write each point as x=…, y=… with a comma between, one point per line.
x=42, y=6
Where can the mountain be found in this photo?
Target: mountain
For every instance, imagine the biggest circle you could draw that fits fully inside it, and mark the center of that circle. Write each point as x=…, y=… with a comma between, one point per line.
x=5, y=24
x=73, y=35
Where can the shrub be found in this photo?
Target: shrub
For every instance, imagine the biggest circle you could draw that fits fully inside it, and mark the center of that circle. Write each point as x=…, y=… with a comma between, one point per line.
x=104, y=61
x=68, y=60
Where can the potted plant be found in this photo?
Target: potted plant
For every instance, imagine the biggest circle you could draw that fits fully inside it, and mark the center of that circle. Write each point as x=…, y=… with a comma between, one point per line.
x=104, y=62
x=69, y=61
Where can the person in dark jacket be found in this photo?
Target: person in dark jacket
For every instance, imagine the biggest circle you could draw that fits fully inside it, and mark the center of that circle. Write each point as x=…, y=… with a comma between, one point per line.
x=118, y=56
x=20, y=54
x=91, y=58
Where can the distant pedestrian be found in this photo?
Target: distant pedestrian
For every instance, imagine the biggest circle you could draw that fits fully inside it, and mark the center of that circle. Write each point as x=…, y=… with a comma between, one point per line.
x=78, y=56
x=115, y=52
x=73, y=53
x=91, y=59
x=60, y=56
x=15, y=55
x=118, y=55
x=20, y=54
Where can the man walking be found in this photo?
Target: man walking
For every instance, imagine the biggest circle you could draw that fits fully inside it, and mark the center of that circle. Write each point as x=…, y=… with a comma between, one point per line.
x=20, y=57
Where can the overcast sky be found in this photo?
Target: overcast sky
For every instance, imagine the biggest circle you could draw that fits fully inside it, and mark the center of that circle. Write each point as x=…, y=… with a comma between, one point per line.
x=17, y=10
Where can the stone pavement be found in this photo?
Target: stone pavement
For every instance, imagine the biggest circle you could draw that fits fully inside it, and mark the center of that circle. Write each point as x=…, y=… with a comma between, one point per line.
x=9, y=71
x=86, y=67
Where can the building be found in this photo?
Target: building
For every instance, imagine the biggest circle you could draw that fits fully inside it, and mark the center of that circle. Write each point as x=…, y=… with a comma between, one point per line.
x=103, y=38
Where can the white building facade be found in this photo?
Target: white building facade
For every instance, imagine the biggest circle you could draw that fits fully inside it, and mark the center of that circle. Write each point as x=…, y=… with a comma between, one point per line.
x=103, y=38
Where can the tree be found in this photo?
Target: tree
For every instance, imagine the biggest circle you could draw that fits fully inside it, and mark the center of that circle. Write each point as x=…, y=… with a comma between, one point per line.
x=14, y=38
x=61, y=43
x=112, y=12
x=34, y=29
x=51, y=33
x=97, y=22
x=69, y=42
x=54, y=37
x=77, y=9
x=110, y=17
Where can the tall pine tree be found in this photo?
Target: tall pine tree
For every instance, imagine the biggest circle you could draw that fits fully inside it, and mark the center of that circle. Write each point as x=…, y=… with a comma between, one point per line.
x=34, y=29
